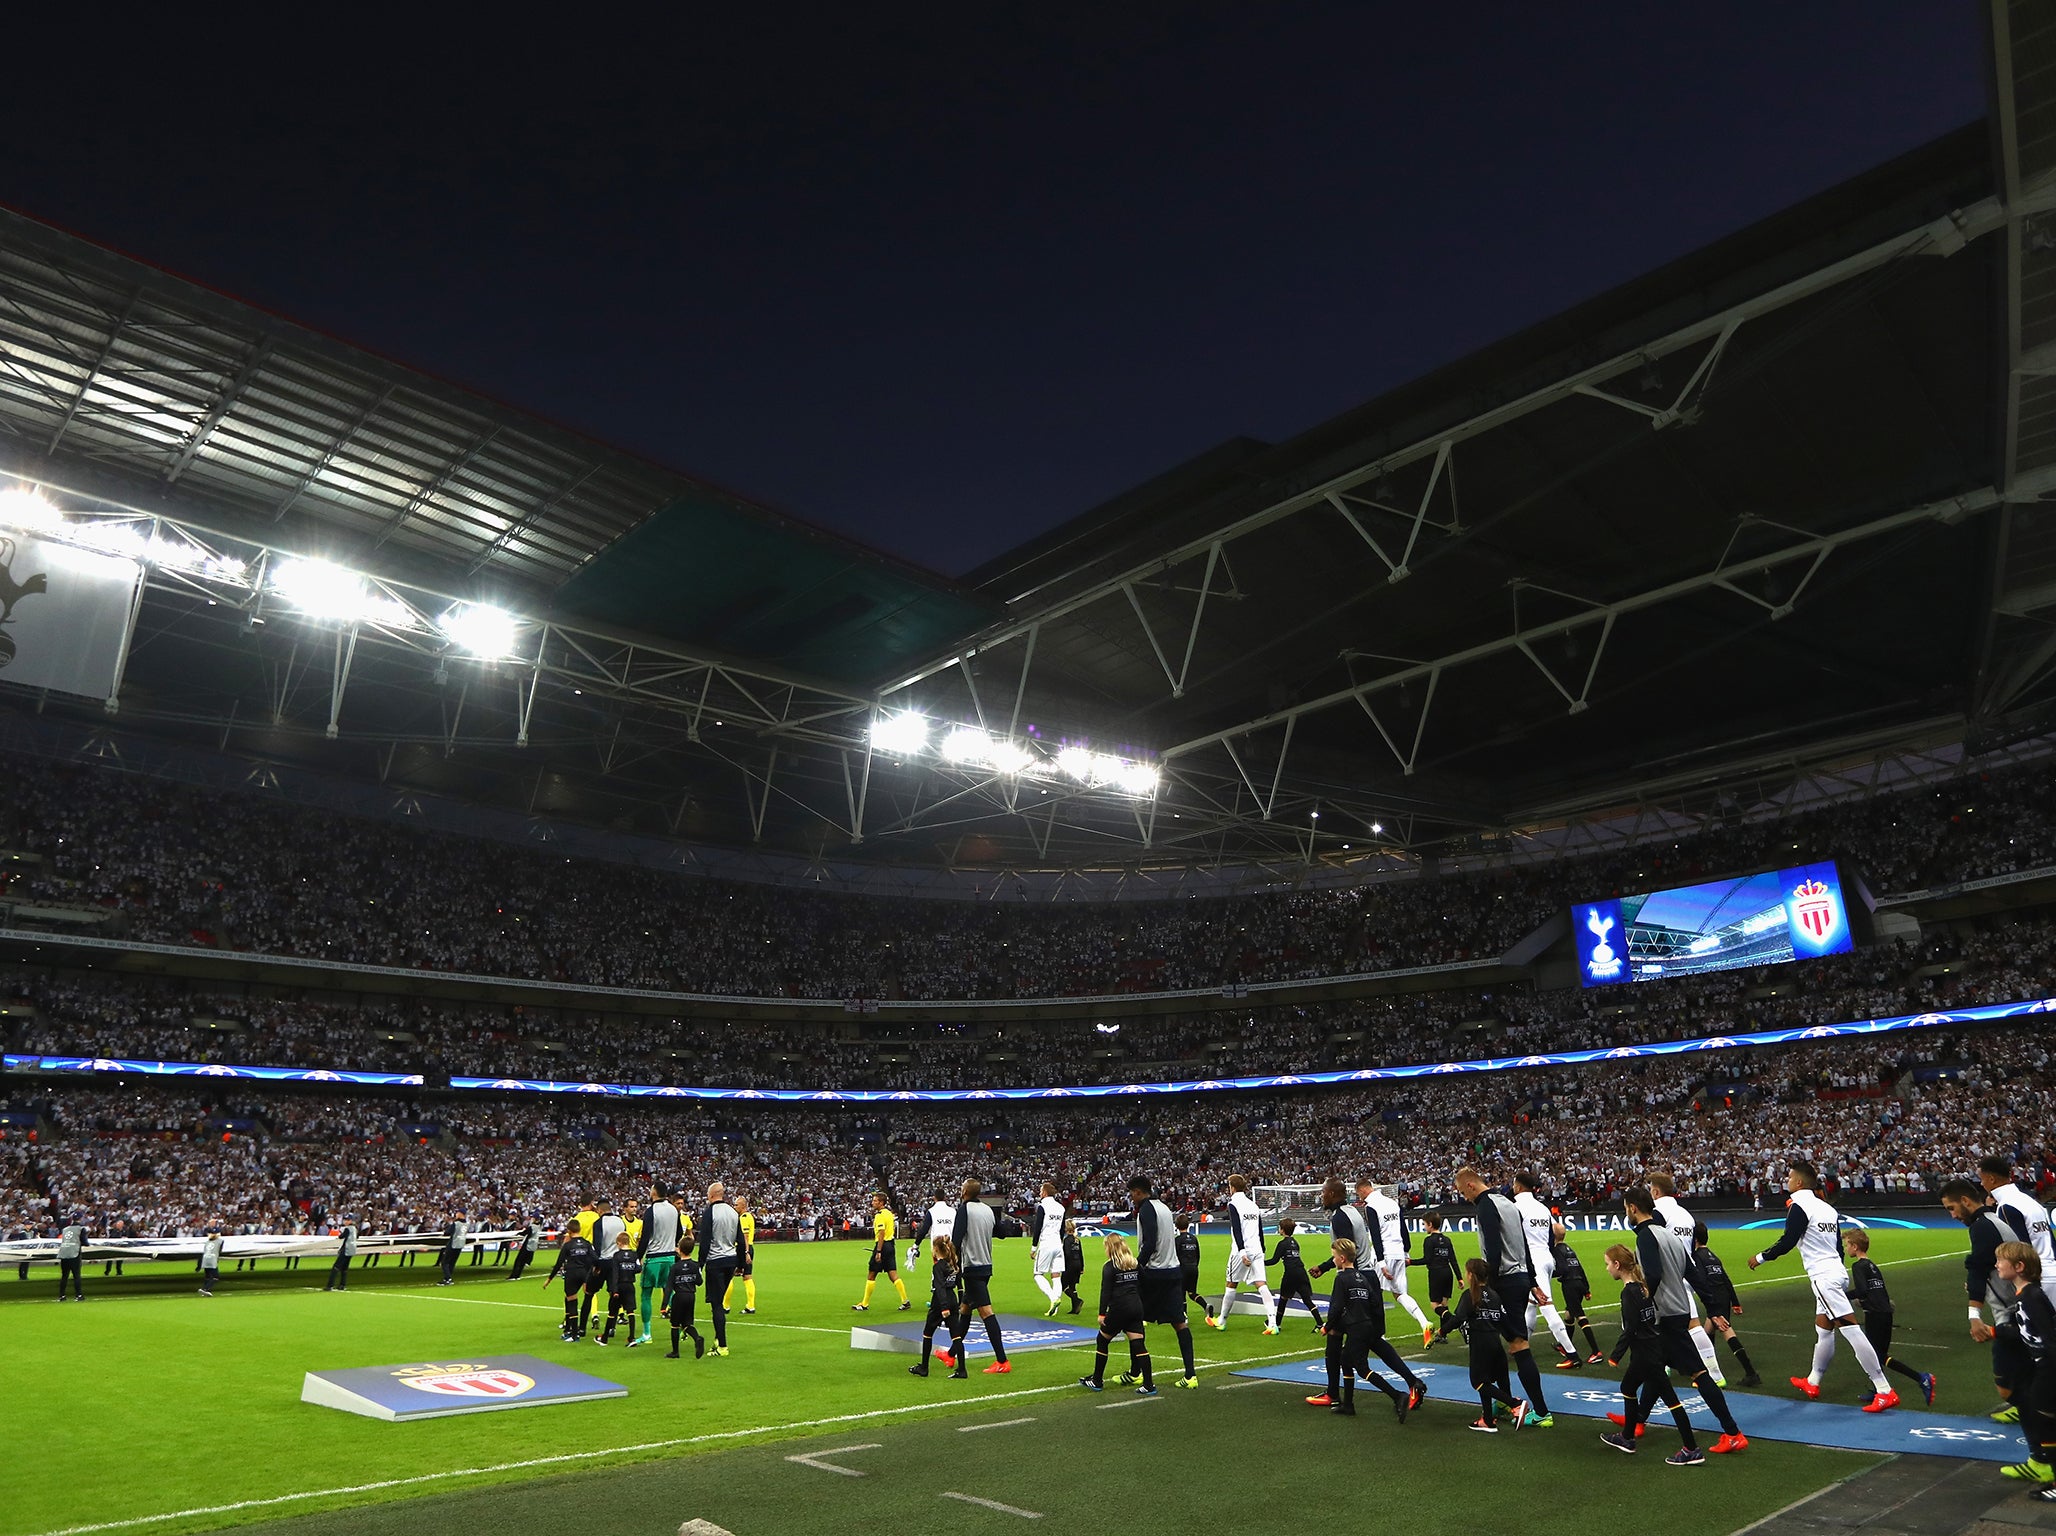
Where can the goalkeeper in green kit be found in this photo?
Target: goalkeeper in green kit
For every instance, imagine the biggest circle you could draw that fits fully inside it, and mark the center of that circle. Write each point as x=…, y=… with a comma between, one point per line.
x=658, y=1251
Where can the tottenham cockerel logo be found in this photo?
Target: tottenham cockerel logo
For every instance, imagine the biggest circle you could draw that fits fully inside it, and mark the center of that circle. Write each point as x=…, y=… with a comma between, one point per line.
x=1813, y=904
x=12, y=591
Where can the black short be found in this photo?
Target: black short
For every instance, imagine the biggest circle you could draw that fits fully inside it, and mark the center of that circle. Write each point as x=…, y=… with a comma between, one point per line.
x=1719, y=1315
x=594, y=1284
x=1674, y=1335
x=1163, y=1296
x=1574, y=1297
x=1515, y=1291
x=1125, y=1319
x=1441, y=1282
x=882, y=1261
x=2013, y=1366
x=977, y=1286
x=1188, y=1279
x=1877, y=1327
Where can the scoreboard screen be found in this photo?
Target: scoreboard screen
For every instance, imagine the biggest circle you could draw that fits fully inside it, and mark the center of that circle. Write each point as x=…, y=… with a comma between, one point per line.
x=1723, y=925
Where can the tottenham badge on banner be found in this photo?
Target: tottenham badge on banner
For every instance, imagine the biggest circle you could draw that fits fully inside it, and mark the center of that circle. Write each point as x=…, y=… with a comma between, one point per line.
x=63, y=615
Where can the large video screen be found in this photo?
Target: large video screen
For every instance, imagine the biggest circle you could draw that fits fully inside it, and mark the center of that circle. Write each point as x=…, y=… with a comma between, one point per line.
x=1723, y=925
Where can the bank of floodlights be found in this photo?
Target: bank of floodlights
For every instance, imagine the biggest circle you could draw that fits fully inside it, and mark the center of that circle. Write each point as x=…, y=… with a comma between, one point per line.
x=908, y=734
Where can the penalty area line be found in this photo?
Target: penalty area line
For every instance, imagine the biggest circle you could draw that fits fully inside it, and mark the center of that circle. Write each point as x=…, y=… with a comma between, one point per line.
x=569, y=1457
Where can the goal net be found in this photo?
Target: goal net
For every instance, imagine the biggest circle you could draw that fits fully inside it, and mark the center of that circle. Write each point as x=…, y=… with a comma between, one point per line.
x=1302, y=1202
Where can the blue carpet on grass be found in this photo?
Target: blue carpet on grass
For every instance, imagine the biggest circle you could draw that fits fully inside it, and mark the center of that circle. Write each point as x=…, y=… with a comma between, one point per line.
x=1837, y=1426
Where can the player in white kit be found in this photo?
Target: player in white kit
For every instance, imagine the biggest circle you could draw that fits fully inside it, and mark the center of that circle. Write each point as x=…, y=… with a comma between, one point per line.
x=1048, y=1221
x=1996, y=1174
x=1682, y=1222
x=939, y=1220
x=1815, y=1228
x=1391, y=1269
x=1245, y=1255
x=1543, y=1229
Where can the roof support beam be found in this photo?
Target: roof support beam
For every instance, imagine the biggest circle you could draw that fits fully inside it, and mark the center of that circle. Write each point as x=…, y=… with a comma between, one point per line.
x=85, y=388
x=1723, y=574
x=218, y=412
x=1941, y=237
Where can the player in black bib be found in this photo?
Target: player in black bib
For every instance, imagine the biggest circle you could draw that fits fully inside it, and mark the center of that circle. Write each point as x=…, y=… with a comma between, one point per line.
x=1356, y=1329
x=1292, y=1281
x=682, y=1290
x=1120, y=1312
x=1570, y=1274
x=1439, y=1254
x=945, y=1310
x=1186, y=1246
x=576, y=1262
x=1481, y=1316
x=1867, y=1290
x=1645, y=1381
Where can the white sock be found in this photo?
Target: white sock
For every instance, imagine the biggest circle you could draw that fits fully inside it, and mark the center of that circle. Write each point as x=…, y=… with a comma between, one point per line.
x=1268, y=1301
x=1557, y=1331
x=1227, y=1301
x=1048, y=1287
x=1414, y=1307
x=1823, y=1352
x=1702, y=1339
x=1866, y=1357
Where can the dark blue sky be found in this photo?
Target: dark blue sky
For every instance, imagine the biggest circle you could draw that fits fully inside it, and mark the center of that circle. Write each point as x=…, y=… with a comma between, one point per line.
x=941, y=281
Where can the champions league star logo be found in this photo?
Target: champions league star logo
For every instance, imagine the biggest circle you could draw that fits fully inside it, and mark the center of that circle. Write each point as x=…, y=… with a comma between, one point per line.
x=1603, y=964
x=1813, y=904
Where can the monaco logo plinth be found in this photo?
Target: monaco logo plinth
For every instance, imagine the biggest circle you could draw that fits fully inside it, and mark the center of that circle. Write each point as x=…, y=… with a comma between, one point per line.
x=436, y=1389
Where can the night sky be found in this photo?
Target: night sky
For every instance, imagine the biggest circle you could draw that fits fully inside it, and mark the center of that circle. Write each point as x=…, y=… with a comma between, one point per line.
x=941, y=280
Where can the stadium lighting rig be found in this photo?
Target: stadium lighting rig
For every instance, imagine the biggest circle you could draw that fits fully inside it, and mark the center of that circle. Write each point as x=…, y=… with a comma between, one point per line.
x=911, y=735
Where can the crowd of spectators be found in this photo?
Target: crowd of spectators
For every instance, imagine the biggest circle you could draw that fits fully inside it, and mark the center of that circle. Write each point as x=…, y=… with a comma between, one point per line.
x=1890, y=1116
x=100, y=1014
x=174, y=864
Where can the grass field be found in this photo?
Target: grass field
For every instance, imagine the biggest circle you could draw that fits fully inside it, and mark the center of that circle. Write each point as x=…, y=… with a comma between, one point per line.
x=150, y=1409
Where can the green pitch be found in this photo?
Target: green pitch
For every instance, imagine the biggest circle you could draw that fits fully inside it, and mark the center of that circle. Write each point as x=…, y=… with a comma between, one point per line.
x=150, y=1409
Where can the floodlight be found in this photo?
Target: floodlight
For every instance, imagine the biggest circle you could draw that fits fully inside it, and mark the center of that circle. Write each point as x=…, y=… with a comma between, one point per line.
x=1377, y=827
x=1008, y=756
x=1139, y=778
x=322, y=589
x=26, y=509
x=481, y=629
x=965, y=744
x=1077, y=763
x=903, y=734
x=112, y=538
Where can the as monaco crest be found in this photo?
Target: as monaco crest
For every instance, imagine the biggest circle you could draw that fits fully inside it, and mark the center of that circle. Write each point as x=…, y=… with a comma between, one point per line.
x=466, y=1381
x=1813, y=908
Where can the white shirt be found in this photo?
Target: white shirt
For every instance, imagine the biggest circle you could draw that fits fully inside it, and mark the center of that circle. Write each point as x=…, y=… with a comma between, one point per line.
x=1820, y=1246
x=2011, y=1197
x=1391, y=1225
x=1252, y=1222
x=1538, y=1223
x=1051, y=1237
x=1676, y=1217
x=942, y=1216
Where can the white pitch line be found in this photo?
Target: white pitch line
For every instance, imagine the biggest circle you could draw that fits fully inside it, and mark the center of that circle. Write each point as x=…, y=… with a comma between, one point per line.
x=574, y=1456
x=1255, y=1381
x=1005, y=1509
x=813, y=1459
x=1129, y=1402
x=972, y=1429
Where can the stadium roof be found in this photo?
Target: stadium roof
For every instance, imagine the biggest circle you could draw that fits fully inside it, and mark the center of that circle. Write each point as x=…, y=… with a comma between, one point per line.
x=1767, y=512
